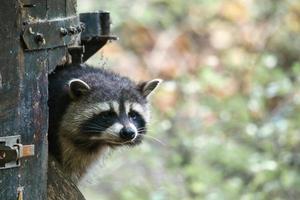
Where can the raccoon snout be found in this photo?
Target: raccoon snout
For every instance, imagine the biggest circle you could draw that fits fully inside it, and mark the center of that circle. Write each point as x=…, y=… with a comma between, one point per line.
x=127, y=133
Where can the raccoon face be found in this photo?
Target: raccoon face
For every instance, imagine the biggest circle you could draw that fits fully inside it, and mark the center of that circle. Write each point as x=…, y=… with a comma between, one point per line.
x=117, y=123
x=116, y=119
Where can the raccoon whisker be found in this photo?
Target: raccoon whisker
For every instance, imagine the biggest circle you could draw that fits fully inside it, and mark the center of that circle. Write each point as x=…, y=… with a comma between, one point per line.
x=92, y=127
x=110, y=130
x=153, y=138
x=99, y=121
x=114, y=142
x=91, y=131
x=94, y=130
x=89, y=128
x=98, y=131
x=142, y=129
x=112, y=134
x=96, y=127
x=109, y=140
x=146, y=130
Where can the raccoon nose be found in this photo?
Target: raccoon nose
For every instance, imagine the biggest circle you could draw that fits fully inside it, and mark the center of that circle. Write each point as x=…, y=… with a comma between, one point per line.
x=127, y=133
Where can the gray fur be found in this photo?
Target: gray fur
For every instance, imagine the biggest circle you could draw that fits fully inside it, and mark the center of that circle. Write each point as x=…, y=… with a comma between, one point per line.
x=78, y=95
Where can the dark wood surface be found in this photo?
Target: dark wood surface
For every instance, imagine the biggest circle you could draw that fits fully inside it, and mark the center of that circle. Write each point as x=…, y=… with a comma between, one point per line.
x=24, y=93
x=10, y=92
x=61, y=187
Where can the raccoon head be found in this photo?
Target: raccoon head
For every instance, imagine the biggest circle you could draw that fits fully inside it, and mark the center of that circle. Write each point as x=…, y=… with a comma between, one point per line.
x=108, y=114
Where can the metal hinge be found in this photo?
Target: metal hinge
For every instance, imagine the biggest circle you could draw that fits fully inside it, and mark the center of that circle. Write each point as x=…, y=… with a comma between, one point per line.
x=11, y=151
x=45, y=34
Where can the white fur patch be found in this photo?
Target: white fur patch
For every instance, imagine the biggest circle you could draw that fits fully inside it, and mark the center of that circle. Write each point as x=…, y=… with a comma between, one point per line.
x=116, y=107
x=101, y=107
x=96, y=109
x=115, y=128
x=135, y=130
x=111, y=132
x=83, y=86
x=96, y=138
x=141, y=110
x=79, y=80
x=127, y=107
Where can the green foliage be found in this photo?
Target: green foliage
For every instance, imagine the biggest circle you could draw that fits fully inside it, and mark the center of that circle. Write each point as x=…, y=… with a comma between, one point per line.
x=228, y=111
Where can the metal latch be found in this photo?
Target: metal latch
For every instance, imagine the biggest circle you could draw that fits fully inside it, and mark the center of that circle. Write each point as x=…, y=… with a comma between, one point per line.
x=11, y=150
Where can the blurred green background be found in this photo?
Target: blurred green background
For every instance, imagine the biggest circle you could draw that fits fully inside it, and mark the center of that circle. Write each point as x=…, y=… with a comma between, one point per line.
x=228, y=114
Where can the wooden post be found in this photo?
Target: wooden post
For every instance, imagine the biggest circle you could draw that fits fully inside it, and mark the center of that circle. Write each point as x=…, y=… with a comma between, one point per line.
x=28, y=52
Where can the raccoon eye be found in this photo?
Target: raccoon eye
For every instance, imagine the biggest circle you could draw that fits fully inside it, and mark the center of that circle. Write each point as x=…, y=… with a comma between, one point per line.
x=133, y=115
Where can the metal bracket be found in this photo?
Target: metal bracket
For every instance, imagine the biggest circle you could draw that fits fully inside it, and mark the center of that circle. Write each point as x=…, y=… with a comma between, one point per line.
x=84, y=34
x=45, y=34
x=11, y=150
x=96, y=32
x=76, y=53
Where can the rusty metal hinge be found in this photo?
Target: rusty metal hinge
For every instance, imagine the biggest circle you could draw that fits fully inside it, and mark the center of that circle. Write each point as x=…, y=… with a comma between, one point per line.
x=45, y=34
x=11, y=151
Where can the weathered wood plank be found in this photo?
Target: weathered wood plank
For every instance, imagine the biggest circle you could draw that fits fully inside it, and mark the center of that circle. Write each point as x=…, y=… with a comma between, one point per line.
x=23, y=106
x=71, y=7
x=56, y=8
x=9, y=90
x=57, y=56
x=61, y=187
x=35, y=9
x=34, y=112
x=24, y=95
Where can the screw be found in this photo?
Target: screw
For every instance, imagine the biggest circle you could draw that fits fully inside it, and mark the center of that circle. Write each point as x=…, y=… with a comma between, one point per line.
x=63, y=31
x=72, y=30
x=39, y=38
x=82, y=26
x=2, y=156
x=79, y=29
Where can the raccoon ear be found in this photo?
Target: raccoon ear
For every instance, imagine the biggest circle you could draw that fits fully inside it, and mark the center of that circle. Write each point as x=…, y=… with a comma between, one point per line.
x=78, y=88
x=148, y=87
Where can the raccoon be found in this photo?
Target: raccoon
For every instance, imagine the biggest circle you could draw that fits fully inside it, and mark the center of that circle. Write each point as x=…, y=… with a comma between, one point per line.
x=91, y=109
